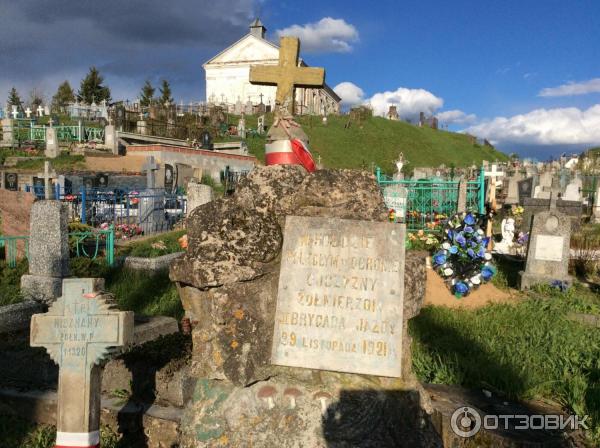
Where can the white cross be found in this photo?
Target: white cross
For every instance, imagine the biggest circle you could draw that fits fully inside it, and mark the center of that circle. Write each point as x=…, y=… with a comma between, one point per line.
x=494, y=172
x=28, y=112
x=15, y=112
x=40, y=111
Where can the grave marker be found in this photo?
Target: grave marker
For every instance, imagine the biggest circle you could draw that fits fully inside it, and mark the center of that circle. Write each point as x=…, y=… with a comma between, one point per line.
x=549, y=249
x=40, y=111
x=79, y=331
x=28, y=112
x=149, y=168
x=340, y=297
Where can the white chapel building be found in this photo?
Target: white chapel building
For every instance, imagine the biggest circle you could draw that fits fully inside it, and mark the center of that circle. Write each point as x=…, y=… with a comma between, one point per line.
x=227, y=77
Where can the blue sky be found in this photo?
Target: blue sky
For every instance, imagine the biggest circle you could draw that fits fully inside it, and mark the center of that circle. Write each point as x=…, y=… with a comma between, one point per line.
x=481, y=66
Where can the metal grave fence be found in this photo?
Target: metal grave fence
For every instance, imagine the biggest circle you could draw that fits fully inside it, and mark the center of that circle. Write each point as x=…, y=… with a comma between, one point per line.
x=89, y=244
x=25, y=130
x=424, y=203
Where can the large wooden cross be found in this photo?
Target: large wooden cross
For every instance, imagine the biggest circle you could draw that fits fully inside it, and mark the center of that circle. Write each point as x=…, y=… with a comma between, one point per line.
x=287, y=75
x=78, y=331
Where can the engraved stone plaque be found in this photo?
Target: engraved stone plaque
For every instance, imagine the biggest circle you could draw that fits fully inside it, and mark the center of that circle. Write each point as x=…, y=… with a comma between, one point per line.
x=340, y=296
x=549, y=248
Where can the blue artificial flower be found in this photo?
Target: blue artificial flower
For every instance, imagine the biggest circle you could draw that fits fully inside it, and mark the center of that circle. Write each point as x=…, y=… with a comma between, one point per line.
x=439, y=258
x=450, y=234
x=471, y=253
x=453, y=249
x=460, y=289
x=481, y=252
x=487, y=273
x=460, y=239
x=473, y=243
x=485, y=241
x=468, y=229
x=560, y=285
x=469, y=219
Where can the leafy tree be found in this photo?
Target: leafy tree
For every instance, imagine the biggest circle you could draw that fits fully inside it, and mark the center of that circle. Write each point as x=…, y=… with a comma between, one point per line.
x=36, y=98
x=147, y=94
x=91, y=88
x=64, y=95
x=14, y=99
x=165, y=93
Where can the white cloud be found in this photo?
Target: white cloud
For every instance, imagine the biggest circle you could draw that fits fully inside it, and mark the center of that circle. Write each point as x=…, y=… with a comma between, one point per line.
x=326, y=35
x=409, y=102
x=573, y=88
x=564, y=126
x=456, y=117
x=350, y=93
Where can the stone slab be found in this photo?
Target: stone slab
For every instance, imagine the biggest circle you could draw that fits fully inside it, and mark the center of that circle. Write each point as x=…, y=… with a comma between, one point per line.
x=340, y=296
x=17, y=316
x=154, y=328
x=48, y=244
x=152, y=264
x=549, y=248
x=40, y=288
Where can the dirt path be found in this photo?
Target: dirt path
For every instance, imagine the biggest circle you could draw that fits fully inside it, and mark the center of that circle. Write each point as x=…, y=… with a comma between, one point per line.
x=437, y=293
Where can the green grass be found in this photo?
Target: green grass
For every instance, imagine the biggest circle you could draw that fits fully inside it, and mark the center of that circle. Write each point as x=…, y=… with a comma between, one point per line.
x=380, y=141
x=144, y=248
x=139, y=291
x=64, y=162
x=526, y=350
x=10, y=281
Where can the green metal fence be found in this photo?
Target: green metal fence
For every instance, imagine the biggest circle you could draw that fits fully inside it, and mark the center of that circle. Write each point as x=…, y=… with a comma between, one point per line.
x=88, y=244
x=25, y=130
x=424, y=203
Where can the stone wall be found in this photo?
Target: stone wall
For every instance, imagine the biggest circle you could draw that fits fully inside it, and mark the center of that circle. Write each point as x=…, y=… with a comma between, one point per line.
x=228, y=283
x=532, y=206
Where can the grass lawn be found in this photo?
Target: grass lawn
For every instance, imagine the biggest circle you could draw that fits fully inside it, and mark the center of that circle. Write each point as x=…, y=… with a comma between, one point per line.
x=528, y=350
x=64, y=162
x=10, y=280
x=164, y=244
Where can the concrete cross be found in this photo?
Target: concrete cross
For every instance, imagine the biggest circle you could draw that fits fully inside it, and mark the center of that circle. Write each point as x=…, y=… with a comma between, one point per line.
x=48, y=174
x=287, y=75
x=492, y=175
x=40, y=111
x=28, y=112
x=15, y=112
x=150, y=167
x=79, y=331
x=50, y=122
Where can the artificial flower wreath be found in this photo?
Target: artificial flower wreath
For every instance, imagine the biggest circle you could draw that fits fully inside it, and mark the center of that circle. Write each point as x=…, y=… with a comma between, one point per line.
x=463, y=259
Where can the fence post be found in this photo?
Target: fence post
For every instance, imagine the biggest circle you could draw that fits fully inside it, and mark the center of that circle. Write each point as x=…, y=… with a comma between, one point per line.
x=79, y=129
x=110, y=242
x=482, y=191
x=83, y=217
x=378, y=172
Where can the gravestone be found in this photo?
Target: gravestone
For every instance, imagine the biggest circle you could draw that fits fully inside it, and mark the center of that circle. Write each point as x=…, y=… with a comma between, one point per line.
x=48, y=251
x=549, y=250
x=79, y=331
x=239, y=107
x=241, y=129
x=512, y=194
x=340, y=257
x=7, y=131
x=532, y=206
x=197, y=194
x=151, y=208
x=11, y=181
x=260, y=127
x=248, y=107
x=573, y=190
x=340, y=299
x=525, y=189
x=52, y=149
x=169, y=180
x=395, y=198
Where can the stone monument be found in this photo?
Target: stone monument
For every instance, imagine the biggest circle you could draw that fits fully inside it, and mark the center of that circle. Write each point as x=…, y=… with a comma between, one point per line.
x=52, y=149
x=197, y=194
x=508, y=236
x=287, y=144
x=549, y=249
x=79, y=331
x=48, y=251
x=151, y=212
x=293, y=284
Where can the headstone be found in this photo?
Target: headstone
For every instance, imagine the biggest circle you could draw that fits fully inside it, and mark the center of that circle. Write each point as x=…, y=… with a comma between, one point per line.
x=197, y=194
x=110, y=138
x=461, y=205
x=28, y=112
x=260, y=127
x=48, y=251
x=239, y=107
x=322, y=257
x=7, y=131
x=169, y=180
x=52, y=149
x=39, y=188
x=206, y=140
x=11, y=181
x=512, y=194
x=15, y=112
x=248, y=107
x=242, y=127
x=79, y=331
x=525, y=189
x=549, y=250
x=395, y=198
x=149, y=168
x=46, y=110
x=40, y=111
x=573, y=190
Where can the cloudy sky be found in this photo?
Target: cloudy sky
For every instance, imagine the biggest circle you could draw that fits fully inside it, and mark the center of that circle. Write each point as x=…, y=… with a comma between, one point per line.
x=525, y=75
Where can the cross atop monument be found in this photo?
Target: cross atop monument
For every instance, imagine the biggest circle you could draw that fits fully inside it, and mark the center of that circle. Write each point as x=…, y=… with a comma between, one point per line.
x=287, y=75
x=149, y=167
x=28, y=112
x=79, y=331
x=40, y=111
x=47, y=175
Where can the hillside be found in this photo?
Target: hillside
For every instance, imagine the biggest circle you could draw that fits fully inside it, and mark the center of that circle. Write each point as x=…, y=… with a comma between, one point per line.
x=380, y=141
